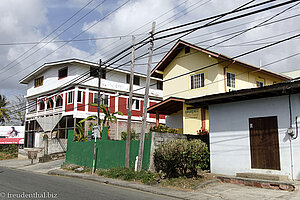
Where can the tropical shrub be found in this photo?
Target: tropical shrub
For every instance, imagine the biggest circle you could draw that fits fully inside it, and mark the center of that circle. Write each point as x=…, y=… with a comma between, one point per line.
x=163, y=129
x=181, y=158
x=132, y=135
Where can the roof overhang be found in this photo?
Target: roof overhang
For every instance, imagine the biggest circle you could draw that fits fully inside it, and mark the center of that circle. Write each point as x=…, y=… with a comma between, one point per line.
x=284, y=88
x=46, y=66
x=167, y=59
x=167, y=107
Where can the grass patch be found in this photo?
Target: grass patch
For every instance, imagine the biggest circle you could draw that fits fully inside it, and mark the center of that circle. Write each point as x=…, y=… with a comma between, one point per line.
x=143, y=176
x=146, y=177
x=8, y=151
x=182, y=183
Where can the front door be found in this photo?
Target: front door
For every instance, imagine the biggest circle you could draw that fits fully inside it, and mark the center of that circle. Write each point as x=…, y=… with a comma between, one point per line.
x=264, y=143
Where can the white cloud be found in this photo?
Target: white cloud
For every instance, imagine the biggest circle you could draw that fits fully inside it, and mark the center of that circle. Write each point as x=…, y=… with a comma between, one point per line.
x=22, y=21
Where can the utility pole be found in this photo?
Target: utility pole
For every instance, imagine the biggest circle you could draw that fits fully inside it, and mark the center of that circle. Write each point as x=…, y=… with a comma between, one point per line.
x=99, y=90
x=144, y=119
x=128, y=137
x=98, y=115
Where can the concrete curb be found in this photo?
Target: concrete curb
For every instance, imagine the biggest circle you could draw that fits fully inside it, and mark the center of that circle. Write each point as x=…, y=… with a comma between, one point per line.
x=145, y=188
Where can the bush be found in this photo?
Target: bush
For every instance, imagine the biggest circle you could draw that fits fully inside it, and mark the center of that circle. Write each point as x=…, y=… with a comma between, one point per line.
x=132, y=135
x=163, y=129
x=181, y=158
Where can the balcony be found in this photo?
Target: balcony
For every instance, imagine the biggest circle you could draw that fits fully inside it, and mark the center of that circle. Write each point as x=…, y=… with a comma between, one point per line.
x=52, y=111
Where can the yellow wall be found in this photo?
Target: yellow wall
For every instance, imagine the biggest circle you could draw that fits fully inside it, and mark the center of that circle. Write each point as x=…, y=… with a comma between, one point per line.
x=214, y=76
x=192, y=120
x=214, y=82
x=180, y=87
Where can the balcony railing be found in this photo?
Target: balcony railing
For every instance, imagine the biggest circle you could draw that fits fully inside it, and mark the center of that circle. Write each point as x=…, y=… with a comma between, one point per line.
x=51, y=111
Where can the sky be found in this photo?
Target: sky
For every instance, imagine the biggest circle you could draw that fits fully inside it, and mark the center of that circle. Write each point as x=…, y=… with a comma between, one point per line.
x=110, y=24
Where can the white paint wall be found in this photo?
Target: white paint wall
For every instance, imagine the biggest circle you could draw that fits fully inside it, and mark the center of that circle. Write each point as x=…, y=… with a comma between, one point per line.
x=229, y=135
x=115, y=81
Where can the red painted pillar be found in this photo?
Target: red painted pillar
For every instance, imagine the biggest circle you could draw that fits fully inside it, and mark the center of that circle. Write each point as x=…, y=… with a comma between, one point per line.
x=203, y=118
x=157, y=118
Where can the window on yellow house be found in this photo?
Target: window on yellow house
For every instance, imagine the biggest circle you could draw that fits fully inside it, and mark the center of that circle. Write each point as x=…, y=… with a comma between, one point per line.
x=197, y=81
x=230, y=79
x=259, y=84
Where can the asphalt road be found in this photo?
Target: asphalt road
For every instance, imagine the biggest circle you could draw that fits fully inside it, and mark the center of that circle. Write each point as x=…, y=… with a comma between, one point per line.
x=19, y=184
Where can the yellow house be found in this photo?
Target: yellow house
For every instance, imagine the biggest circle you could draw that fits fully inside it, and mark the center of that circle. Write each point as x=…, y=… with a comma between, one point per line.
x=189, y=71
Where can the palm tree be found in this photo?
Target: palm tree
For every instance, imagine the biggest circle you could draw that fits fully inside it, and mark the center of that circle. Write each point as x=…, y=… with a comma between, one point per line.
x=108, y=116
x=4, y=112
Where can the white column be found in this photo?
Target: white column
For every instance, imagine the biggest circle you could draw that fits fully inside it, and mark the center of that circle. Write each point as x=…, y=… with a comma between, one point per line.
x=75, y=100
x=87, y=99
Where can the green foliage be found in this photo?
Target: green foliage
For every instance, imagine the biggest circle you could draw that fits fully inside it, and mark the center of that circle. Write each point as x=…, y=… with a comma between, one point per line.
x=79, y=133
x=132, y=135
x=202, y=132
x=4, y=112
x=181, y=158
x=163, y=129
x=8, y=151
x=128, y=175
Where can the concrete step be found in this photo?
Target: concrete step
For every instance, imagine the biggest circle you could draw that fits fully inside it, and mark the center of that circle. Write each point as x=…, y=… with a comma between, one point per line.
x=23, y=153
x=53, y=156
x=57, y=156
x=260, y=183
x=263, y=176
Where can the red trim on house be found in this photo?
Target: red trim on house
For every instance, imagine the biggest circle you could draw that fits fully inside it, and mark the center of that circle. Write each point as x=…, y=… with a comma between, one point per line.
x=203, y=118
x=123, y=107
x=90, y=107
x=81, y=106
x=112, y=103
x=69, y=107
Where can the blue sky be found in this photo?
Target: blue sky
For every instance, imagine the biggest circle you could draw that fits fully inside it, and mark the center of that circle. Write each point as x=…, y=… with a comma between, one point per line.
x=32, y=20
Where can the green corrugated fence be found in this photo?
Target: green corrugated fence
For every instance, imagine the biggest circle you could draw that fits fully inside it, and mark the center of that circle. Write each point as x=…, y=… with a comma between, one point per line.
x=109, y=153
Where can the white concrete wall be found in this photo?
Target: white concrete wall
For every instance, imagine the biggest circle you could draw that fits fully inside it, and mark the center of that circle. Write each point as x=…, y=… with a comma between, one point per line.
x=229, y=135
x=115, y=81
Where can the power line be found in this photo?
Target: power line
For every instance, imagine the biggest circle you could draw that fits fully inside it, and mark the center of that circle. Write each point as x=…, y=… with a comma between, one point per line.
x=186, y=33
x=229, y=19
x=256, y=26
x=62, y=41
x=70, y=40
x=49, y=34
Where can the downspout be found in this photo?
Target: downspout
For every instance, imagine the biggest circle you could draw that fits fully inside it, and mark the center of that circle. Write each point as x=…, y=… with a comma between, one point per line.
x=225, y=78
x=291, y=134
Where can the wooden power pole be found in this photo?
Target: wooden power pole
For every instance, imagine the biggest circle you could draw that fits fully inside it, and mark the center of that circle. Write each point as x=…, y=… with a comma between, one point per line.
x=99, y=90
x=144, y=119
x=98, y=115
x=128, y=137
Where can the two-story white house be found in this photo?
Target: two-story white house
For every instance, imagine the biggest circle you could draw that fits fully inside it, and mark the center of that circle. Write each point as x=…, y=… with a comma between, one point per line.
x=55, y=103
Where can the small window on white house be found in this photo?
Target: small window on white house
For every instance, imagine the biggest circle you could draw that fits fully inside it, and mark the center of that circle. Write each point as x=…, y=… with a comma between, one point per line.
x=70, y=97
x=197, y=81
x=135, y=104
x=136, y=79
x=230, y=79
x=259, y=84
x=79, y=96
x=104, y=99
x=62, y=73
x=38, y=81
